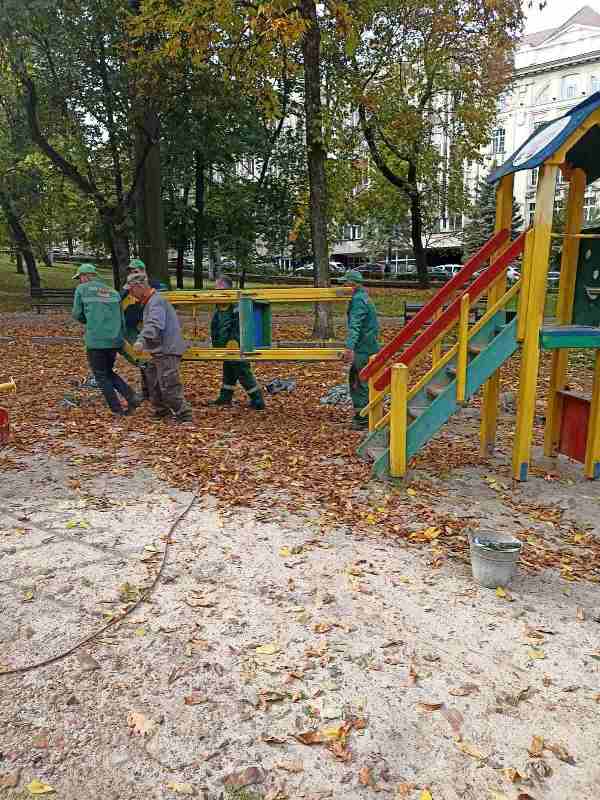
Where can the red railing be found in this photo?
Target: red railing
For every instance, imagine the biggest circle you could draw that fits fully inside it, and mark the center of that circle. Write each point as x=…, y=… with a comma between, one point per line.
x=435, y=304
x=445, y=321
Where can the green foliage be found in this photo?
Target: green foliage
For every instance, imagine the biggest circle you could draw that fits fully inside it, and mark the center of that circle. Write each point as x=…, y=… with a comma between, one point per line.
x=482, y=219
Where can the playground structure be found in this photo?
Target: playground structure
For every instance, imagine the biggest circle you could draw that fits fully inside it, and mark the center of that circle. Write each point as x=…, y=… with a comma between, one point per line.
x=472, y=360
x=256, y=332
x=6, y=388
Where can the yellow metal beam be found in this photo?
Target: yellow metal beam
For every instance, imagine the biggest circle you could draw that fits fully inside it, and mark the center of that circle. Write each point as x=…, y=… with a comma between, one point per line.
x=592, y=450
x=535, y=315
x=293, y=294
x=491, y=391
x=398, y=420
x=276, y=354
x=564, y=307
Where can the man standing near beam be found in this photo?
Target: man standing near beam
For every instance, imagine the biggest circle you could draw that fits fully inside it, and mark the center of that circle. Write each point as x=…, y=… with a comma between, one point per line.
x=361, y=343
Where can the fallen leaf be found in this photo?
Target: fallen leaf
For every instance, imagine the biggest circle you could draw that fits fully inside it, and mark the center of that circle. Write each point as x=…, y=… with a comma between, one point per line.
x=425, y=795
x=267, y=649
x=27, y=597
x=464, y=691
x=429, y=706
x=513, y=775
x=323, y=627
x=561, y=753
x=536, y=748
x=470, y=750
x=404, y=790
x=247, y=777
x=524, y=796
x=500, y=591
x=10, y=780
x=195, y=699
x=139, y=724
x=40, y=742
x=580, y=615
x=324, y=735
x=284, y=552
x=290, y=766
x=537, y=655
x=365, y=778
x=181, y=788
x=37, y=787
x=498, y=796
x=340, y=752
x=454, y=717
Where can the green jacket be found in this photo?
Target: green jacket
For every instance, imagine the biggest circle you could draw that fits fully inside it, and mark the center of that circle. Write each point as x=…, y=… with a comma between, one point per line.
x=225, y=326
x=363, y=327
x=99, y=308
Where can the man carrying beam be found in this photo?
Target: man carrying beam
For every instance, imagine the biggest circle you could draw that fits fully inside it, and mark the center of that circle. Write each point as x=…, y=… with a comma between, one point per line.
x=225, y=332
x=361, y=343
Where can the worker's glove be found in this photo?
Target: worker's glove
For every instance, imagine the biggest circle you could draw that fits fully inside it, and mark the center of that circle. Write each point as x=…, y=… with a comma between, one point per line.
x=138, y=347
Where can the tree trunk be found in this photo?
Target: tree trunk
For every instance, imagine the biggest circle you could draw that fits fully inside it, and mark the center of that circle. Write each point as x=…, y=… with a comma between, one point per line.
x=416, y=234
x=152, y=243
x=316, y=157
x=179, y=265
x=20, y=239
x=20, y=268
x=70, y=245
x=199, y=185
x=214, y=259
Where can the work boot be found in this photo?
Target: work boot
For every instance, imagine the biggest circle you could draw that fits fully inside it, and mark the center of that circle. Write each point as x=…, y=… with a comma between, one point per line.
x=161, y=413
x=257, y=401
x=184, y=414
x=134, y=402
x=359, y=423
x=224, y=399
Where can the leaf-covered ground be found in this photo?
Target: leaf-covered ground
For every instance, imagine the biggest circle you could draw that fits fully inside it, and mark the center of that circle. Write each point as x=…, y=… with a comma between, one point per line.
x=316, y=635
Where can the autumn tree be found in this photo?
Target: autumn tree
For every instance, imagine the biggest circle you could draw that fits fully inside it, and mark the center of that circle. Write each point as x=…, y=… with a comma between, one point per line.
x=426, y=75
x=69, y=58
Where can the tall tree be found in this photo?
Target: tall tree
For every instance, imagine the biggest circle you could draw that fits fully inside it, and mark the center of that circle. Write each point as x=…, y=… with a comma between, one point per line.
x=426, y=77
x=481, y=221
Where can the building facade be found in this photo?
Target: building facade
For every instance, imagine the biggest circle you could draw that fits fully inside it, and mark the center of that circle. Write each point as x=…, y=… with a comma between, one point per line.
x=554, y=70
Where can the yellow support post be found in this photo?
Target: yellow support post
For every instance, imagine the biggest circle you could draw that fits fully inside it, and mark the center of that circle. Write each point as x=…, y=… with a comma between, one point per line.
x=436, y=352
x=592, y=450
x=463, y=349
x=535, y=315
x=525, y=282
x=491, y=391
x=398, y=420
x=564, y=308
x=375, y=401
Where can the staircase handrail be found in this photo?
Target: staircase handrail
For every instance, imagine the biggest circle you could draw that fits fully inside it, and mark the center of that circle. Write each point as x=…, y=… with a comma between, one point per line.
x=446, y=320
x=436, y=303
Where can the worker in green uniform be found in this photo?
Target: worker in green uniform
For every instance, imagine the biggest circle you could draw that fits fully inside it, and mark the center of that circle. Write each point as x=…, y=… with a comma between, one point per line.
x=224, y=331
x=361, y=342
x=98, y=307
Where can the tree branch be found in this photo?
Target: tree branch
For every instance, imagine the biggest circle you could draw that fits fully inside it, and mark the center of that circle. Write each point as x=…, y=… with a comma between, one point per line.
x=369, y=132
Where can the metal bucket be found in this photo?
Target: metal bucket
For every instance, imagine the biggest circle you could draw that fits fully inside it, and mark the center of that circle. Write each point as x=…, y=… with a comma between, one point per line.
x=494, y=561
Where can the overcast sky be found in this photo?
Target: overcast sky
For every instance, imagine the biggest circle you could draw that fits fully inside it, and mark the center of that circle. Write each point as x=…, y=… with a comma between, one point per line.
x=555, y=13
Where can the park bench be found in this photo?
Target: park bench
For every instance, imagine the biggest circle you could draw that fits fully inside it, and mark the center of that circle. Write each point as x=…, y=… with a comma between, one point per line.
x=51, y=298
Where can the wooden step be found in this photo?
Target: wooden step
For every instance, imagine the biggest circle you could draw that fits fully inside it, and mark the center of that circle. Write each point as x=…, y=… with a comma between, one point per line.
x=477, y=347
x=416, y=411
x=436, y=389
x=452, y=371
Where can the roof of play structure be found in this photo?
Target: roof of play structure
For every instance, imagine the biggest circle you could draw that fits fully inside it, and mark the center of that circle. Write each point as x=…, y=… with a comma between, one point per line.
x=547, y=139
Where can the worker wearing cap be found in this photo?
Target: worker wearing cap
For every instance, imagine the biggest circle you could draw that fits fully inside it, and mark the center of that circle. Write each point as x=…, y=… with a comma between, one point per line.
x=162, y=338
x=98, y=307
x=361, y=342
x=225, y=332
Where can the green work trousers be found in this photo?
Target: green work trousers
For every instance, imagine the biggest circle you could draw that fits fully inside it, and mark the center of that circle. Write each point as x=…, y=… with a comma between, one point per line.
x=359, y=391
x=234, y=371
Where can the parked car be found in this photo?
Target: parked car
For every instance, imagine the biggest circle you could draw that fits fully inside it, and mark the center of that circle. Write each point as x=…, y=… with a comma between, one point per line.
x=513, y=274
x=553, y=280
x=373, y=269
x=308, y=270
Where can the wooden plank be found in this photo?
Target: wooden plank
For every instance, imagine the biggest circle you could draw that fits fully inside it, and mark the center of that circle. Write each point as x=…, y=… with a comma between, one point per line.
x=592, y=450
x=491, y=390
x=463, y=350
x=438, y=301
x=398, y=420
x=276, y=354
x=535, y=315
x=564, y=308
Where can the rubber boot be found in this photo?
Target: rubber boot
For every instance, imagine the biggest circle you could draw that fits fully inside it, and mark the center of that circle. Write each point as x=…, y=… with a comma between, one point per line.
x=224, y=399
x=257, y=401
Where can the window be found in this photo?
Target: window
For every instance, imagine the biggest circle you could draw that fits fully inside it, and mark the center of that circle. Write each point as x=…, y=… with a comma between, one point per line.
x=594, y=83
x=530, y=213
x=542, y=95
x=589, y=206
x=533, y=177
x=352, y=233
x=569, y=87
x=498, y=139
